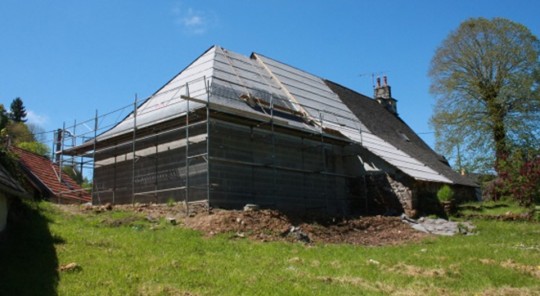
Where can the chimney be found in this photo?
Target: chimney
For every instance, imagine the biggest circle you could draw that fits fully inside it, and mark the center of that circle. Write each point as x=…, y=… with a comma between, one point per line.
x=383, y=95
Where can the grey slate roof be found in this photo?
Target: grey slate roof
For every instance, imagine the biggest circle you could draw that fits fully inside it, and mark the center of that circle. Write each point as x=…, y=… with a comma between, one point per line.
x=395, y=131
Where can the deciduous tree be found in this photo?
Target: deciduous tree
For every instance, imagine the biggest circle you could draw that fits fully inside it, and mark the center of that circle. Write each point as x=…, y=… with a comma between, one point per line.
x=486, y=78
x=18, y=132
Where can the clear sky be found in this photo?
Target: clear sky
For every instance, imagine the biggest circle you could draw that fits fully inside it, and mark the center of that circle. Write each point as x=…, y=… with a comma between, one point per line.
x=67, y=59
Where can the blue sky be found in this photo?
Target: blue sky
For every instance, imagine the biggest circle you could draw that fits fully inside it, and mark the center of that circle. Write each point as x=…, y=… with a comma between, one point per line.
x=67, y=59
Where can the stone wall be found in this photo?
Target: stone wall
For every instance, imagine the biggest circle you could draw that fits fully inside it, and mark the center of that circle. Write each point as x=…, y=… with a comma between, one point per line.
x=404, y=192
x=390, y=194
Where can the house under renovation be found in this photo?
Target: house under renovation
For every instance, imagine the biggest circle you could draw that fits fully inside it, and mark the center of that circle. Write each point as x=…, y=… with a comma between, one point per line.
x=231, y=130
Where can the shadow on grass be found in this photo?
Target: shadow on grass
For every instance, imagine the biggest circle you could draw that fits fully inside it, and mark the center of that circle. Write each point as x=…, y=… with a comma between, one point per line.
x=28, y=262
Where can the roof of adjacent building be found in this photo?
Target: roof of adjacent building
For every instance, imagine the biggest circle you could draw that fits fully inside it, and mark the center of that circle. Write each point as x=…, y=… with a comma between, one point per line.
x=248, y=86
x=47, y=176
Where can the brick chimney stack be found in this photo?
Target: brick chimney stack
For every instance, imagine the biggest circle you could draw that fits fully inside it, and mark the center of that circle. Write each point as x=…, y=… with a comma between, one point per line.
x=383, y=95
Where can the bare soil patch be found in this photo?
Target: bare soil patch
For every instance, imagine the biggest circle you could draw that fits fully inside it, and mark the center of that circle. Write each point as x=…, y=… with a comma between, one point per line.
x=271, y=225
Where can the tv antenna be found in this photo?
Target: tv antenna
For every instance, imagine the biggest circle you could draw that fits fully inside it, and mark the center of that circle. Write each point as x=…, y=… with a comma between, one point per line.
x=373, y=74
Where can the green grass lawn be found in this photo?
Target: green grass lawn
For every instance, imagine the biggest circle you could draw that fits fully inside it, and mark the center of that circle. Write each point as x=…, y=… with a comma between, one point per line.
x=492, y=208
x=120, y=253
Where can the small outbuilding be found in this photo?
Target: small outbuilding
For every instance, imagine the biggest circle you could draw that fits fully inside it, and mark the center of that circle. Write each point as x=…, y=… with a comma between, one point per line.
x=10, y=189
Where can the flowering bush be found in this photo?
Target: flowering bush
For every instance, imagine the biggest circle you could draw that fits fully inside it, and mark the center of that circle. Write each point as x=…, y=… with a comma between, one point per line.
x=519, y=180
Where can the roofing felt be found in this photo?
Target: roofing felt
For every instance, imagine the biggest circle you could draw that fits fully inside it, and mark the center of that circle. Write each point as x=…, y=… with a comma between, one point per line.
x=225, y=75
x=40, y=169
x=221, y=78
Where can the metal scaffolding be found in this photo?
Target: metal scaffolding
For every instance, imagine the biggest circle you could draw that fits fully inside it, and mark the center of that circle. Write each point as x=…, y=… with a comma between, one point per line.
x=207, y=168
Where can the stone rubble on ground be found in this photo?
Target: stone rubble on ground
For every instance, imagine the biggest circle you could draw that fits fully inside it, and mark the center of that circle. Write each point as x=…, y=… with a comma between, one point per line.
x=298, y=234
x=251, y=207
x=439, y=226
x=171, y=220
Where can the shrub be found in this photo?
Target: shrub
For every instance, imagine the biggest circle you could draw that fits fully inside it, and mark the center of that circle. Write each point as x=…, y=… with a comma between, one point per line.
x=35, y=147
x=525, y=183
x=520, y=181
x=445, y=193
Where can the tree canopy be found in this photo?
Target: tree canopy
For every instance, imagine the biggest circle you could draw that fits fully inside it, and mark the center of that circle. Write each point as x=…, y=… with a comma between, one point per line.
x=35, y=147
x=18, y=132
x=15, y=131
x=486, y=78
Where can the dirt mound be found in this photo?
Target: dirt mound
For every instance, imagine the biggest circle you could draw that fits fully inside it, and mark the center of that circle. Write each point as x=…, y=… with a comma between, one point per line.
x=372, y=231
x=262, y=224
x=270, y=225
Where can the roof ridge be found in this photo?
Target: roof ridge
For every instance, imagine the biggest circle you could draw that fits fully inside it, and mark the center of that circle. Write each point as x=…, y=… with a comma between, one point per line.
x=29, y=152
x=286, y=64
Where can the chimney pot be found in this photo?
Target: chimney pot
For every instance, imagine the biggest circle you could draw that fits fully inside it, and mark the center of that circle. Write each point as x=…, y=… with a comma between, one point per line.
x=383, y=95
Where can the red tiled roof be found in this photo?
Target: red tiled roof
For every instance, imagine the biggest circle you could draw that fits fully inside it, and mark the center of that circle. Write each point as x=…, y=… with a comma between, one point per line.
x=47, y=173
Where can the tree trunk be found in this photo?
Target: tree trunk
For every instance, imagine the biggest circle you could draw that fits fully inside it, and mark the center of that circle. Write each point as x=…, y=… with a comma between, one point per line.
x=497, y=114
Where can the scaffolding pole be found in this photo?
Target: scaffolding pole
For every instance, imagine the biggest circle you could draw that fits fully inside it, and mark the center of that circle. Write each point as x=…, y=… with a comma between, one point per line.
x=133, y=150
x=274, y=173
x=207, y=89
x=186, y=198
x=323, y=160
x=75, y=144
x=94, y=158
x=156, y=166
x=61, y=158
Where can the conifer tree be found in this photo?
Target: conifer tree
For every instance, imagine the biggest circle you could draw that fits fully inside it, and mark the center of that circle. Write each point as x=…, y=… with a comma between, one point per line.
x=18, y=111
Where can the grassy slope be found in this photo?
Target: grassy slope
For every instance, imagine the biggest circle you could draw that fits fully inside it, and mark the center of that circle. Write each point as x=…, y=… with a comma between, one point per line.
x=140, y=258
